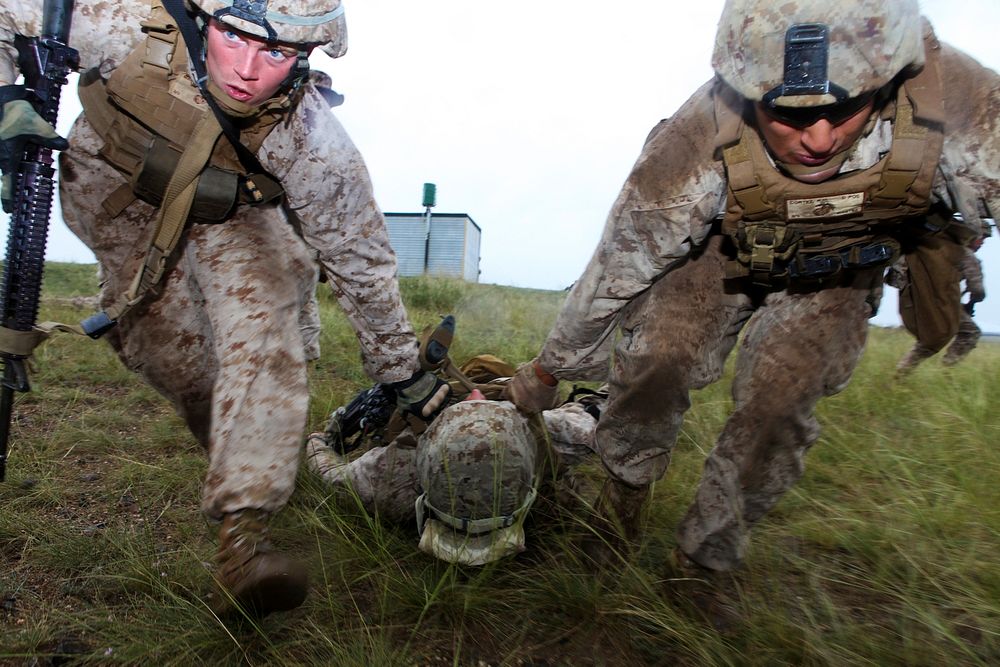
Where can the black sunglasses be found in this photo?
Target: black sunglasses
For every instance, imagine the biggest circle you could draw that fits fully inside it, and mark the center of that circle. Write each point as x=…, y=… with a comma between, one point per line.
x=802, y=117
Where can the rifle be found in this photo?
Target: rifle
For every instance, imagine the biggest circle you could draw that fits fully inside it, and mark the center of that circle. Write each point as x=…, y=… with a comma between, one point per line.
x=371, y=409
x=367, y=412
x=45, y=62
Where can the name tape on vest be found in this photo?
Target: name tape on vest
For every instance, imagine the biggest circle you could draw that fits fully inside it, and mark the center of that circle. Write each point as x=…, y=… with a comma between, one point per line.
x=825, y=207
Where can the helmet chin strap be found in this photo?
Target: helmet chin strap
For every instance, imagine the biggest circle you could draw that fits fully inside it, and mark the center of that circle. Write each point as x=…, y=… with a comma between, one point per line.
x=298, y=74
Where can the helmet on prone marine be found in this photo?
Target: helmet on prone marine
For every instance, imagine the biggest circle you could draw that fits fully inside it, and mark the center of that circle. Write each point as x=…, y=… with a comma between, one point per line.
x=803, y=60
x=476, y=465
x=304, y=24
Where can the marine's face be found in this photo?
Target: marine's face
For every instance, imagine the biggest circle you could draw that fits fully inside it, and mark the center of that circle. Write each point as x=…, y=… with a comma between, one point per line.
x=246, y=67
x=811, y=144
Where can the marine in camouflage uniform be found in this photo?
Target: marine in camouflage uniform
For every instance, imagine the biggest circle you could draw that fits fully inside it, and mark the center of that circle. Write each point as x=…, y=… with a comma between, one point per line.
x=721, y=229
x=226, y=333
x=384, y=478
x=392, y=480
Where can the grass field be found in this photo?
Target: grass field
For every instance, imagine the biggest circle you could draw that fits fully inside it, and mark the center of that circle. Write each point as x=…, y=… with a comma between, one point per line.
x=885, y=554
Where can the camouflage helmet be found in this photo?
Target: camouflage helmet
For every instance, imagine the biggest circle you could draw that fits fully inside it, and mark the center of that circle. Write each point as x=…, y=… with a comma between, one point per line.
x=305, y=22
x=476, y=466
x=804, y=53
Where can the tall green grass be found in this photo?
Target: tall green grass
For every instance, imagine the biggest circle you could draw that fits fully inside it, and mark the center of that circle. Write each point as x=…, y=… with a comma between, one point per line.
x=884, y=554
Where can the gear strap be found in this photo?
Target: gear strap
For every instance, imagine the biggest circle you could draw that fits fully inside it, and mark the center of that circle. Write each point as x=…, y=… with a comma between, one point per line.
x=170, y=221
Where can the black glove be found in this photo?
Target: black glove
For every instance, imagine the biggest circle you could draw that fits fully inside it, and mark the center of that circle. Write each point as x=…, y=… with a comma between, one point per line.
x=19, y=125
x=423, y=395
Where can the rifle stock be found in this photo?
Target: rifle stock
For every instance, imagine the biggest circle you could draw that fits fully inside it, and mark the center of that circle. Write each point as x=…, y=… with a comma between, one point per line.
x=45, y=62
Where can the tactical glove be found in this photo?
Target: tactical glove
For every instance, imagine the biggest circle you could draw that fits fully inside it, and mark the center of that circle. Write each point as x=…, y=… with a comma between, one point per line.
x=19, y=125
x=529, y=392
x=423, y=395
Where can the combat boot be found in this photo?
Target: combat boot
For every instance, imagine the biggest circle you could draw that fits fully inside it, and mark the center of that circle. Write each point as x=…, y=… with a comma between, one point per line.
x=251, y=575
x=614, y=527
x=712, y=593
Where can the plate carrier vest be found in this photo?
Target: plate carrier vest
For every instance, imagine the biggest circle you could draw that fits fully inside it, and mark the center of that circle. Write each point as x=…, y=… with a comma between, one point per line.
x=786, y=231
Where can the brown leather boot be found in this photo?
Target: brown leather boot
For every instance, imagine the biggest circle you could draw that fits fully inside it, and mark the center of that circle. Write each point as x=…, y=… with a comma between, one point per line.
x=251, y=576
x=614, y=527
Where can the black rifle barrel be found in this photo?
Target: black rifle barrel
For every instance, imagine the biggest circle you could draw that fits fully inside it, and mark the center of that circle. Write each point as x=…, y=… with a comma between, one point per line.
x=45, y=63
x=56, y=16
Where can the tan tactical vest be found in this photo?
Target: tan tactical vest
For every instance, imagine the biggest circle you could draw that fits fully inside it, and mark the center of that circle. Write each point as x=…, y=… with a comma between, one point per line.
x=146, y=113
x=785, y=230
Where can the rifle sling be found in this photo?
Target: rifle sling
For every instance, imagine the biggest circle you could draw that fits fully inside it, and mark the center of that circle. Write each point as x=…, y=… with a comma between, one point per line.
x=15, y=343
x=172, y=215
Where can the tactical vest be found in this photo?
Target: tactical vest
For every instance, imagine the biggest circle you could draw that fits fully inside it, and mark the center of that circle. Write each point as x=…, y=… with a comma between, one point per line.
x=146, y=113
x=785, y=230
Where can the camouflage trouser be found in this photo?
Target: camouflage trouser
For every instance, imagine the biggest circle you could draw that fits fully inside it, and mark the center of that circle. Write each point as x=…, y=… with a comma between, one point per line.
x=797, y=347
x=220, y=338
x=384, y=479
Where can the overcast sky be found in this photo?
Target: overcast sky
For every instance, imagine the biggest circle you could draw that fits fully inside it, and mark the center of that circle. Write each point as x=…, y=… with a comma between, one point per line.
x=528, y=116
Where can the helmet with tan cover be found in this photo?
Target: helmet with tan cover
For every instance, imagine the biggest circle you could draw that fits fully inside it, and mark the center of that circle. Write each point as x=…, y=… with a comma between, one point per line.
x=303, y=22
x=476, y=465
x=803, y=53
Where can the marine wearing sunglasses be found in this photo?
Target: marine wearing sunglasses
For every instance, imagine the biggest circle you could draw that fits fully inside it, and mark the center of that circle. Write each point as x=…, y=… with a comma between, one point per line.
x=811, y=142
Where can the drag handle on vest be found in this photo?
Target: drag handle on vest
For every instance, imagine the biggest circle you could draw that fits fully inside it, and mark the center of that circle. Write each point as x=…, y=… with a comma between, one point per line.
x=44, y=62
x=434, y=347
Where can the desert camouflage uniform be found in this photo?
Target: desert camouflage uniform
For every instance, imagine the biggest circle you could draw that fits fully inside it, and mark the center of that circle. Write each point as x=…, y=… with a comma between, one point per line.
x=385, y=481
x=658, y=274
x=968, y=331
x=221, y=337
